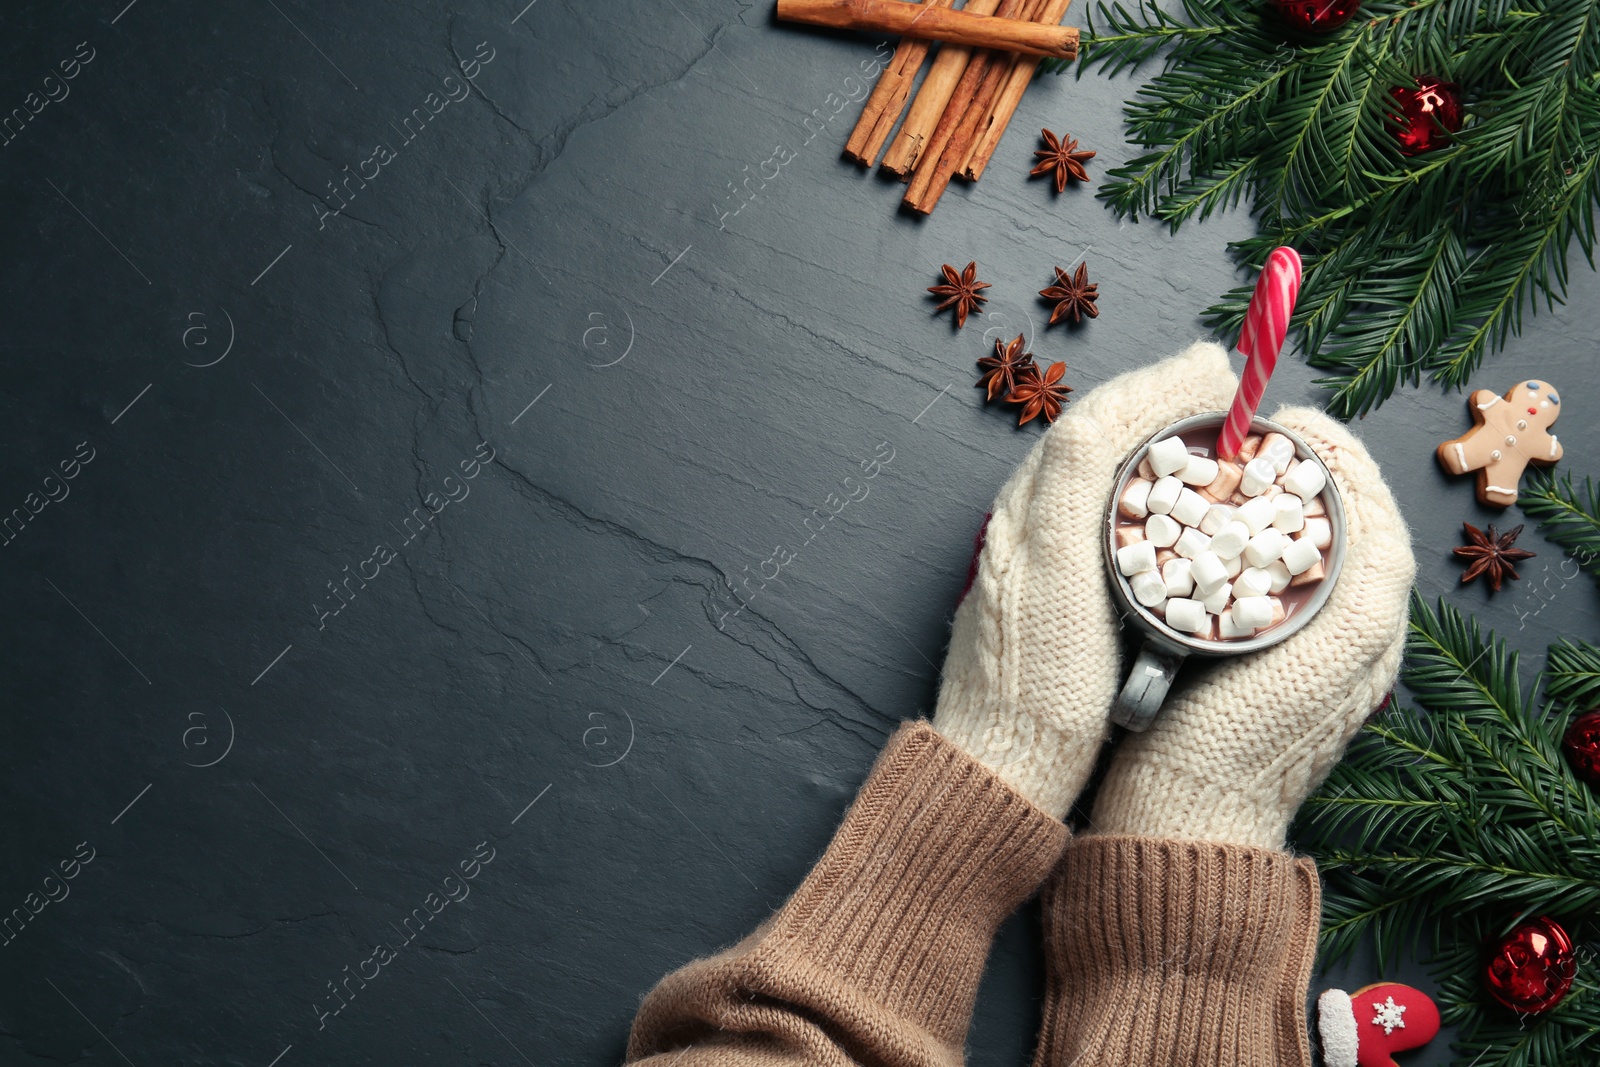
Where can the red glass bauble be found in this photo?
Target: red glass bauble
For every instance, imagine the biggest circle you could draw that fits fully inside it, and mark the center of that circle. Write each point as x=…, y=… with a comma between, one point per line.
x=1429, y=112
x=977, y=550
x=1317, y=16
x=1532, y=967
x=1582, y=746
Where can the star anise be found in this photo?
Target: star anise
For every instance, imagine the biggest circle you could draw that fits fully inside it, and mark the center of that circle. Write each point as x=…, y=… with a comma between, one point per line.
x=1063, y=158
x=961, y=291
x=1491, y=556
x=1075, y=296
x=1005, y=368
x=1040, y=394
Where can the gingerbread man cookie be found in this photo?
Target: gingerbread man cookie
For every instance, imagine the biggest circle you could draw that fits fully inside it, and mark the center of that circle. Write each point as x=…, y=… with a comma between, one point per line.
x=1511, y=432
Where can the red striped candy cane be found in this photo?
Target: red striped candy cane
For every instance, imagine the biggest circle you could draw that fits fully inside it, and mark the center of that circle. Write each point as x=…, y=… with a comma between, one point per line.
x=1265, y=325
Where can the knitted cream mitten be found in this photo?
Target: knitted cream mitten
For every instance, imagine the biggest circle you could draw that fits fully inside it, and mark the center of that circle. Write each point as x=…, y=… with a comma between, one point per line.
x=1034, y=658
x=1231, y=757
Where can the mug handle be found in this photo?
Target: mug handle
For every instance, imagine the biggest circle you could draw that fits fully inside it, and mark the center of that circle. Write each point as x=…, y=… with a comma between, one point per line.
x=1140, y=700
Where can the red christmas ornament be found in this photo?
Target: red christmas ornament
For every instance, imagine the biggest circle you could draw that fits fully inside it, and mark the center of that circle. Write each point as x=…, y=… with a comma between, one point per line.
x=1532, y=967
x=1429, y=112
x=977, y=550
x=1582, y=746
x=1366, y=1028
x=1317, y=16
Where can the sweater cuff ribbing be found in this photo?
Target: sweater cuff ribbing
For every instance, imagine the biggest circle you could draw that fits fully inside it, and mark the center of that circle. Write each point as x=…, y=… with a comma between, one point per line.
x=887, y=936
x=1178, y=952
x=935, y=852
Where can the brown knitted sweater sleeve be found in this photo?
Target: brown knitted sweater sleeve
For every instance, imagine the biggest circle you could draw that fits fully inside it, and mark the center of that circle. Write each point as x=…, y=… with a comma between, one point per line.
x=1161, y=953
x=876, y=958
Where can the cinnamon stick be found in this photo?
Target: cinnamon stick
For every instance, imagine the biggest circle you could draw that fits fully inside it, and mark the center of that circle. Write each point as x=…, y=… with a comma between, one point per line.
x=919, y=20
x=939, y=140
x=946, y=70
x=934, y=174
x=888, y=99
x=1006, y=101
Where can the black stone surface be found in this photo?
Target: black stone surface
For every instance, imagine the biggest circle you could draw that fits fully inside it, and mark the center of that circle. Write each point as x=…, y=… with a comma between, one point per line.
x=542, y=272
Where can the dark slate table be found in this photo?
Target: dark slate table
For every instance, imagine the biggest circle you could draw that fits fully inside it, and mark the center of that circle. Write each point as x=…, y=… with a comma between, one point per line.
x=423, y=393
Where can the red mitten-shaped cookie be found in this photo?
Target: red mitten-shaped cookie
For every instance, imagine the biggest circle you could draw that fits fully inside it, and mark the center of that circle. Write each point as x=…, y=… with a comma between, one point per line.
x=1366, y=1028
x=1510, y=432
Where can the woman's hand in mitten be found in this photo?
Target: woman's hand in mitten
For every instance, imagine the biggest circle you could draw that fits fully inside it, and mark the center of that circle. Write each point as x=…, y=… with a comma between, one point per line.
x=1034, y=656
x=1179, y=931
x=1231, y=758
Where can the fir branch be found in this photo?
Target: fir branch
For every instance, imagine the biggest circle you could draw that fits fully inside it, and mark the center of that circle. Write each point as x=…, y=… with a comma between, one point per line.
x=1409, y=297
x=1491, y=1036
x=1573, y=675
x=1531, y=258
x=1415, y=266
x=1444, y=828
x=1131, y=40
x=1566, y=515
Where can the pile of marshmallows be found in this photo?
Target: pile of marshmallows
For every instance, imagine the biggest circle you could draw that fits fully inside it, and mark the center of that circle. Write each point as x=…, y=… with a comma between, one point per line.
x=1219, y=542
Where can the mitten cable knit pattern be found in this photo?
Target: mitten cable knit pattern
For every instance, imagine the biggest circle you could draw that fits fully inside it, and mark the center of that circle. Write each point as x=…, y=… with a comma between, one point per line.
x=1234, y=754
x=1034, y=658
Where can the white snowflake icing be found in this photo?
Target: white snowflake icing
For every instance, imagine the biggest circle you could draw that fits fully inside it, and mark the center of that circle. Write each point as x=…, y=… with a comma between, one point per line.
x=1389, y=1015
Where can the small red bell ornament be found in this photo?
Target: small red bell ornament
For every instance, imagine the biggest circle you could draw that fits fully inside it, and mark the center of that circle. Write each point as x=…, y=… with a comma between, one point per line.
x=1316, y=16
x=1430, y=111
x=1532, y=967
x=1366, y=1028
x=1582, y=746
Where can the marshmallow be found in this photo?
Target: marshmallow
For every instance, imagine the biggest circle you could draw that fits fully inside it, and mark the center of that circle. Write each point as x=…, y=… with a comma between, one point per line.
x=1264, y=547
x=1149, y=589
x=1290, y=516
x=1280, y=576
x=1226, y=481
x=1164, y=556
x=1252, y=581
x=1217, y=516
x=1240, y=497
x=1217, y=602
x=1163, y=495
x=1248, y=450
x=1207, y=630
x=1315, y=506
x=1256, y=513
x=1251, y=612
x=1230, y=540
x=1168, y=456
x=1147, y=472
x=1133, y=503
x=1299, y=556
x=1136, y=558
x=1198, y=470
x=1310, y=576
x=1277, y=450
x=1209, y=573
x=1258, y=474
x=1234, y=565
x=1191, y=543
x=1185, y=614
x=1278, y=612
x=1176, y=573
x=1190, y=508
x=1128, y=535
x=1229, y=630
x=1162, y=530
x=1305, y=480
x=1318, y=530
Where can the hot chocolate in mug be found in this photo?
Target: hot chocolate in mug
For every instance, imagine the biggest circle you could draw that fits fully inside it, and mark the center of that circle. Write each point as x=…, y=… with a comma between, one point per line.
x=1216, y=559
